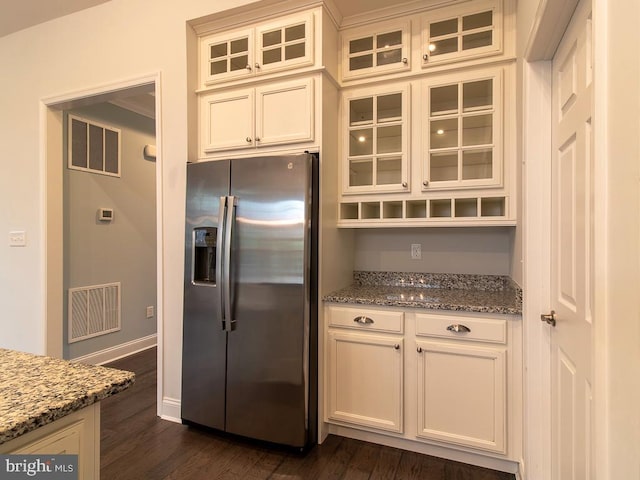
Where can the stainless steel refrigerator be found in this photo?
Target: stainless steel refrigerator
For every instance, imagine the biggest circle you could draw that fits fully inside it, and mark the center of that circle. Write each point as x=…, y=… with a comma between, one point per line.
x=249, y=363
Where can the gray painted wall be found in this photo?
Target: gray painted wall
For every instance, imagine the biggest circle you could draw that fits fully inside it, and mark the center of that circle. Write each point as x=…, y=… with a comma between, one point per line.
x=477, y=250
x=123, y=250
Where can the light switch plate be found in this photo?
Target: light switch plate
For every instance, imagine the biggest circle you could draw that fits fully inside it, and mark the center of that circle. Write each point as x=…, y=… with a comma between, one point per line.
x=18, y=238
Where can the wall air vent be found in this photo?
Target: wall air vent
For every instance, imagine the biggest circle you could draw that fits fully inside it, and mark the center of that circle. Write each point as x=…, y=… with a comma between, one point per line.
x=93, y=147
x=93, y=310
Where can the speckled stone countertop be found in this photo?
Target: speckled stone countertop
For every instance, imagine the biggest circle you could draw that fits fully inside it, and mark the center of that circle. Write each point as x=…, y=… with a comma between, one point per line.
x=458, y=292
x=37, y=390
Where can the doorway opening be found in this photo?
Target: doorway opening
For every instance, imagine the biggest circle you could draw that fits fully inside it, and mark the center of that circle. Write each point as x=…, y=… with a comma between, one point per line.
x=100, y=227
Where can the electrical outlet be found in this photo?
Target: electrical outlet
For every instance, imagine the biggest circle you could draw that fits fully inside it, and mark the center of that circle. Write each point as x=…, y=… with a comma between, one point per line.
x=17, y=239
x=416, y=251
x=150, y=311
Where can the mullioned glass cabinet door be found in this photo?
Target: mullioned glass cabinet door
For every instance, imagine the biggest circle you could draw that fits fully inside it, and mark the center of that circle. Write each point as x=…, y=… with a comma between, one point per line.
x=286, y=43
x=226, y=56
x=376, y=49
x=462, y=132
x=465, y=31
x=376, y=141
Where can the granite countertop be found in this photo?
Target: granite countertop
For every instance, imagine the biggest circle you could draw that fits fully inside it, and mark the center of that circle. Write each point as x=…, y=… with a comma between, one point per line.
x=457, y=292
x=37, y=390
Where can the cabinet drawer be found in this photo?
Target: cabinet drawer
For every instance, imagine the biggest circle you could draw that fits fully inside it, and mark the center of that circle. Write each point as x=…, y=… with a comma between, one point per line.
x=462, y=328
x=367, y=319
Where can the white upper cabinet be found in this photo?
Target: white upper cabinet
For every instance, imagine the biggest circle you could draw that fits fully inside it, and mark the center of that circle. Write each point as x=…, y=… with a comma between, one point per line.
x=376, y=140
x=473, y=29
x=376, y=49
x=264, y=48
x=275, y=113
x=462, y=130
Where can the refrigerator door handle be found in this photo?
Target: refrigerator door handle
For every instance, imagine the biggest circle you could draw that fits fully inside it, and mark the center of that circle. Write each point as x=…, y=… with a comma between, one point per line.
x=228, y=232
x=222, y=214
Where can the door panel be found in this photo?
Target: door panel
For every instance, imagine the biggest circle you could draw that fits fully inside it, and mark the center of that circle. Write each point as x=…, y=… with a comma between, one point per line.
x=285, y=113
x=267, y=373
x=571, y=251
x=365, y=380
x=204, y=341
x=447, y=411
x=227, y=121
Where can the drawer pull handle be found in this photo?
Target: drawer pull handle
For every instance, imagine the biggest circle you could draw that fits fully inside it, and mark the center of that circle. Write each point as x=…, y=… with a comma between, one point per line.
x=458, y=328
x=363, y=320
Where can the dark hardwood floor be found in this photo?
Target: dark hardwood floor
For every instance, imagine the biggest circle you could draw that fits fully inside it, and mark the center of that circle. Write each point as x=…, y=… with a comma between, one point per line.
x=137, y=445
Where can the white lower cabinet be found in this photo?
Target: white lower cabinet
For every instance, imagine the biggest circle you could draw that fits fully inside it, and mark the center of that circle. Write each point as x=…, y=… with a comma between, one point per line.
x=365, y=380
x=461, y=394
x=447, y=379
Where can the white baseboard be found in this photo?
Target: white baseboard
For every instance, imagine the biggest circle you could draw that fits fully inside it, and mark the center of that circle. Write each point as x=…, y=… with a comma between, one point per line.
x=170, y=410
x=119, y=351
x=481, y=460
x=520, y=473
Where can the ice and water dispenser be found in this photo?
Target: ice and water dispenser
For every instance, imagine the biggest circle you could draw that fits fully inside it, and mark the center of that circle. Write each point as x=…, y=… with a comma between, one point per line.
x=204, y=254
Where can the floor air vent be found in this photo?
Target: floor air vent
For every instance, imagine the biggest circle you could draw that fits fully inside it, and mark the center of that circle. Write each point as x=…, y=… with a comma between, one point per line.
x=93, y=311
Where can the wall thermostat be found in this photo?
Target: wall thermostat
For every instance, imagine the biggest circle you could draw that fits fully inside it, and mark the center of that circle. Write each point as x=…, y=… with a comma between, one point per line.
x=105, y=214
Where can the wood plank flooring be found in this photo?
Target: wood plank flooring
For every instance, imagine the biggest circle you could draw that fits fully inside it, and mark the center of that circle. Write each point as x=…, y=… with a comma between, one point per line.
x=137, y=445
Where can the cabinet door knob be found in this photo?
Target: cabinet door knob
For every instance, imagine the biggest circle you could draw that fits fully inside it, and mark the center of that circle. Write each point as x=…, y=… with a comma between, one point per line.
x=404, y=184
x=425, y=183
x=257, y=65
x=396, y=346
x=458, y=328
x=364, y=320
x=248, y=67
x=257, y=139
x=419, y=349
x=405, y=60
x=425, y=57
x=248, y=139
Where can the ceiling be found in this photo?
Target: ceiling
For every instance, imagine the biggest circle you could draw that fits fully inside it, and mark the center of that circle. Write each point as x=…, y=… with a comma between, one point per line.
x=19, y=14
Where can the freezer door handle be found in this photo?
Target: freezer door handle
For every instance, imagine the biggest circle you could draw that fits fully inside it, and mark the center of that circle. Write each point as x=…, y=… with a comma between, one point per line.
x=222, y=213
x=227, y=287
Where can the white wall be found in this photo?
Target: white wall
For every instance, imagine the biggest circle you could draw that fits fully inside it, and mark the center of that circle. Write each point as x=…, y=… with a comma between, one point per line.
x=617, y=77
x=115, y=41
x=123, y=250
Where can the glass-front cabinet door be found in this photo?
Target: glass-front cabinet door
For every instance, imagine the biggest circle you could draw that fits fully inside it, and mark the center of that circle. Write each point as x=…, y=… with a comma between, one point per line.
x=462, y=132
x=376, y=49
x=228, y=56
x=285, y=43
x=462, y=31
x=376, y=141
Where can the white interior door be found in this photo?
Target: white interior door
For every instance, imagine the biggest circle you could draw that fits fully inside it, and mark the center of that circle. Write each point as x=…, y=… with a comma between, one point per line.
x=572, y=251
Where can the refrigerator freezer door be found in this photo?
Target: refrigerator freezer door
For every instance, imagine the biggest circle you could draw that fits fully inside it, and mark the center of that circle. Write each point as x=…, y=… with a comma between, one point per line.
x=267, y=370
x=204, y=341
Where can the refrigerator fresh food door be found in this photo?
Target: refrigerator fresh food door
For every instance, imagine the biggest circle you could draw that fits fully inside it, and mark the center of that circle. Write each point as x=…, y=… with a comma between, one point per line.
x=267, y=363
x=204, y=340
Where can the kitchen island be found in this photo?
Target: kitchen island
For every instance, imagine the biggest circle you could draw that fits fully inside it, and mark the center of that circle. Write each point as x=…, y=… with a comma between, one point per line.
x=51, y=406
